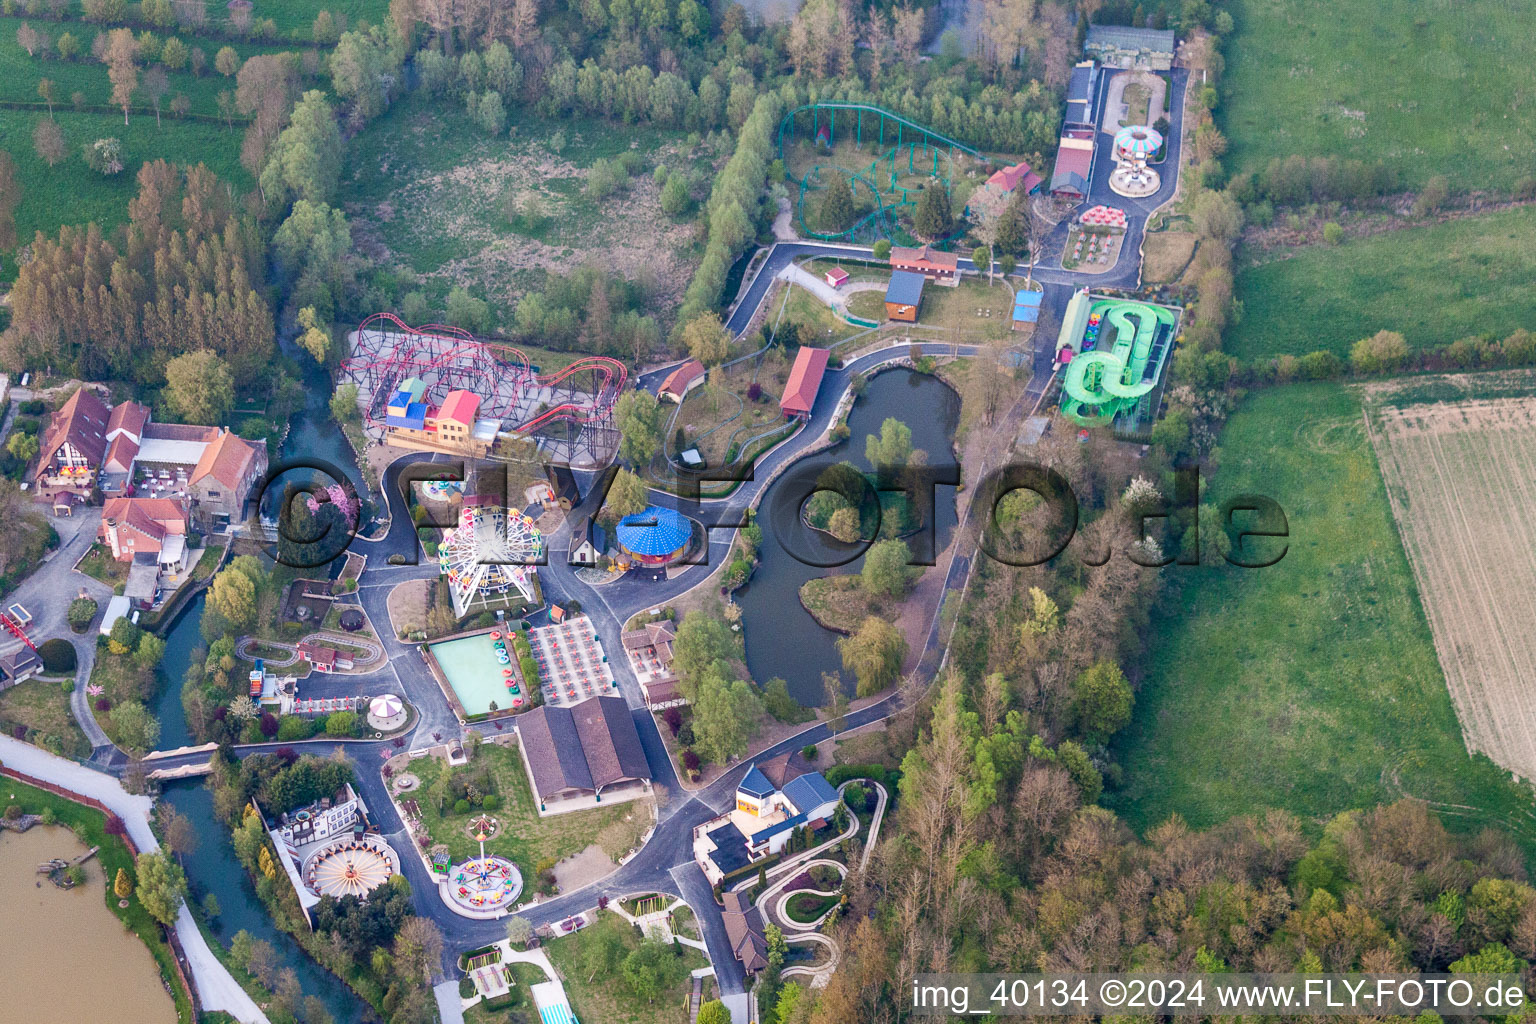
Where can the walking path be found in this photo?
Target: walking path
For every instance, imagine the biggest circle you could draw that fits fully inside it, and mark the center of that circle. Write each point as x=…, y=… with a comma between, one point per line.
x=216, y=987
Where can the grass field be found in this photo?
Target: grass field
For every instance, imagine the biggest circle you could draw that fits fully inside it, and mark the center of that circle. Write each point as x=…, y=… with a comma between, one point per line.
x=20, y=73
x=1311, y=685
x=1455, y=474
x=608, y=998
x=1427, y=86
x=72, y=193
x=526, y=838
x=295, y=19
x=427, y=192
x=1434, y=284
x=44, y=706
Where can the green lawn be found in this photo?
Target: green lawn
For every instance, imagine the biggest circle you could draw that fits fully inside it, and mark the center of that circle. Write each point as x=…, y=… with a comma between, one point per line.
x=19, y=73
x=607, y=998
x=43, y=705
x=1427, y=86
x=295, y=18
x=1311, y=685
x=527, y=839
x=1434, y=284
x=90, y=826
x=72, y=193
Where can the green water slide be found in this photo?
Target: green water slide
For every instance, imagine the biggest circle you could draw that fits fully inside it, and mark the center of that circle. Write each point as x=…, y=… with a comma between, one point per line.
x=1101, y=384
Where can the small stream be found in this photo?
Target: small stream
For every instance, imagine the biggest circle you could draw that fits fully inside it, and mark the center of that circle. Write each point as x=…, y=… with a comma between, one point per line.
x=782, y=639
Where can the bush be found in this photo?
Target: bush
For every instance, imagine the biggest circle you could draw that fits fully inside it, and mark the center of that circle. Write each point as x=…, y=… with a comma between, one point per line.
x=491, y=802
x=57, y=655
x=809, y=751
x=461, y=806
x=292, y=727
x=340, y=723
x=81, y=611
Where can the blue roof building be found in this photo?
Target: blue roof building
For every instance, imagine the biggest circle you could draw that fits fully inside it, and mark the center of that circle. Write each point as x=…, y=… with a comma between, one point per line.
x=656, y=536
x=756, y=784
x=812, y=795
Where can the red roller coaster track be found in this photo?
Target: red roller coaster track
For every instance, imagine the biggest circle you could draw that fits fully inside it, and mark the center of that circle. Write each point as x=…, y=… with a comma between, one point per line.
x=14, y=628
x=388, y=351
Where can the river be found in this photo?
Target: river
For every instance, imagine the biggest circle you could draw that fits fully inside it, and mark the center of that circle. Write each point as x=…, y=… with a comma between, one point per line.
x=783, y=640
x=67, y=957
x=213, y=867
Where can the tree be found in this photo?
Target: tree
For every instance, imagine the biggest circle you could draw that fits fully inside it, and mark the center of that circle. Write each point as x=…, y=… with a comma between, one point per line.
x=891, y=450
x=882, y=250
x=162, y=886
x=226, y=62
x=233, y=597
x=122, y=886
x=418, y=948
x=714, y=1012
x=315, y=340
x=1382, y=352
x=519, y=931
x=725, y=717
x=176, y=830
x=625, y=497
x=23, y=446
x=1433, y=196
x=1101, y=700
x=120, y=55
x=305, y=160
x=836, y=701
x=45, y=92
x=886, y=571
x=199, y=387
x=156, y=85
x=873, y=654
x=174, y=54
x=707, y=339
x=137, y=729
x=604, y=952
x=465, y=310
x=1217, y=216
x=1010, y=234
x=674, y=195
x=344, y=407
x=837, y=209
x=933, y=219
x=651, y=968
x=148, y=652
x=490, y=113
x=844, y=524
x=640, y=420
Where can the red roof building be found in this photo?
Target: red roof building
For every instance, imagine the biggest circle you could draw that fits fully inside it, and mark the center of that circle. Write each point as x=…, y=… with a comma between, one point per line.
x=130, y=526
x=930, y=262
x=681, y=380
x=459, y=407
x=323, y=659
x=804, y=381
x=1009, y=178
x=74, y=443
x=836, y=277
x=1074, y=164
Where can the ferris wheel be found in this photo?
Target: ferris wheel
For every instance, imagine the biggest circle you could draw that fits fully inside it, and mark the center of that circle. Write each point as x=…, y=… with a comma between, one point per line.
x=490, y=553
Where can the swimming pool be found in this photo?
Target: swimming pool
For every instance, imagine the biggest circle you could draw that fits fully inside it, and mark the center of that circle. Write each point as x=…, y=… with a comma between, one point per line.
x=470, y=666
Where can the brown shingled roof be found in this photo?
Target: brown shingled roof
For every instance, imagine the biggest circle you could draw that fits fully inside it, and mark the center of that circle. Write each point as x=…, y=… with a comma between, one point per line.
x=588, y=746
x=129, y=416
x=227, y=459
x=81, y=421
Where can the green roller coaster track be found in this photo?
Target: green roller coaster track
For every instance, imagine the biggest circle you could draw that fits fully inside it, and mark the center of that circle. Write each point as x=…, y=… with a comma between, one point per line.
x=880, y=222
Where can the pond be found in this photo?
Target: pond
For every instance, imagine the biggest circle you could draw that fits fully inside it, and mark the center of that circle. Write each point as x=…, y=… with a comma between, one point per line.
x=67, y=957
x=213, y=866
x=783, y=640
